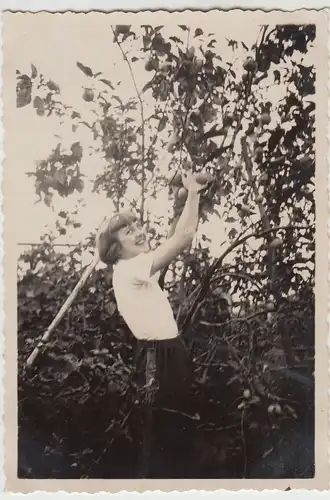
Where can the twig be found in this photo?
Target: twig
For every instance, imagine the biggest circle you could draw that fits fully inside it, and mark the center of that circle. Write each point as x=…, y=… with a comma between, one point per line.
x=142, y=121
x=197, y=309
x=188, y=38
x=248, y=163
x=257, y=235
x=237, y=275
x=263, y=215
x=224, y=428
x=40, y=243
x=202, y=380
x=149, y=149
x=235, y=320
x=125, y=419
x=192, y=417
x=265, y=28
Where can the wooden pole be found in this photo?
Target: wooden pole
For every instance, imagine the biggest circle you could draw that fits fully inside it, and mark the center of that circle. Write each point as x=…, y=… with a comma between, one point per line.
x=67, y=304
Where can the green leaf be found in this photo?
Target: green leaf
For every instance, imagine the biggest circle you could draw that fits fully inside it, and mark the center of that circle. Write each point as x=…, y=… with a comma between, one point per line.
x=53, y=86
x=77, y=149
x=277, y=76
x=232, y=43
x=162, y=124
x=198, y=32
x=147, y=86
x=48, y=199
x=34, y=71
x=23, y=91
x=77, y=184
x=118, y=99
x=211, y=43
x=107, y=82
x=134, y=59
x=110, y=308
x=175, y=39
x=147, y=27
x=230, y=220
x=122, y=29
x=85, y=69
x=86, y=124
x=38, y=103
x=183, y=27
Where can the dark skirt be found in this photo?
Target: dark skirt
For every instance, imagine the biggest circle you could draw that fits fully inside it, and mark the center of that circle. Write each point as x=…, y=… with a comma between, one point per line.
x=172, y=370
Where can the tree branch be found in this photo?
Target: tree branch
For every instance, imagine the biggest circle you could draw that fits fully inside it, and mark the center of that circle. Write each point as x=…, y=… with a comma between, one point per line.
x=142, y=121
x=249, y=168
x=265, y=28
x=208, y=275
x=235, y=320
x=237, y=275
x=263, y=216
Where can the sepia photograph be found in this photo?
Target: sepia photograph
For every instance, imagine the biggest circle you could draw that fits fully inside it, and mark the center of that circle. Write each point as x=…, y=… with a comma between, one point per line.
x=161, y=172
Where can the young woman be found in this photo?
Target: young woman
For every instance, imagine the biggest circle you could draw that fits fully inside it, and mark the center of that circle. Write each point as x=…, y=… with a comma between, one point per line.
x=142, y=303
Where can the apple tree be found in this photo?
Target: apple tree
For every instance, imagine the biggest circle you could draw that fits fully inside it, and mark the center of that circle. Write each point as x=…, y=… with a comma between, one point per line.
x=245, y=116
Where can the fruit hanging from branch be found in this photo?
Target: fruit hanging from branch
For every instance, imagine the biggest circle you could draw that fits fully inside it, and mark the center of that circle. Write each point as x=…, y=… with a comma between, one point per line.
x=305, y=161
x=258, y=153
x=182, y=194
x=151, y=65
x=172, y=143
x=177, y=180
x=247, y=393
x=165, y=67
x=264, y=178
x=88, y=95
x=250, y=64
x=198, y=64
x=228, y=120
x=276, y=243
x=244, y=210
x=190, y=53
x=265, y=119
x=204, y=178
x=270, y=306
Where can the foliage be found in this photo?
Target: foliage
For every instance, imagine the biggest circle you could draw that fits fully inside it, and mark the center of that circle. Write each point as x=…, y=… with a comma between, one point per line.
x=249, y=313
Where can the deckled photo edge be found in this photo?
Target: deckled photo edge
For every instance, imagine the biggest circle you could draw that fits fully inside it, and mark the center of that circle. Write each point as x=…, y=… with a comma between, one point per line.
x=321, y=481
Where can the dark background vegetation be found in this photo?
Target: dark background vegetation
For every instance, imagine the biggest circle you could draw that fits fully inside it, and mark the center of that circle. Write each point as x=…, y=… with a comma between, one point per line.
x=78, y=409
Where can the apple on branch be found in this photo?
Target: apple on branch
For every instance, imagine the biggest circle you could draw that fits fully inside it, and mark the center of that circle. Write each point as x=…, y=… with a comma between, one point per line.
x=88, y=95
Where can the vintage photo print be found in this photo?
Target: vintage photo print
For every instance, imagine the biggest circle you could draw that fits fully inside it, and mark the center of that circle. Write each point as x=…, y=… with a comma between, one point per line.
x=165, y=205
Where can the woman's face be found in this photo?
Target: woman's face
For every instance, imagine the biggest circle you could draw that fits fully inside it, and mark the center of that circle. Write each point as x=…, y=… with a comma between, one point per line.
x=133, y=240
